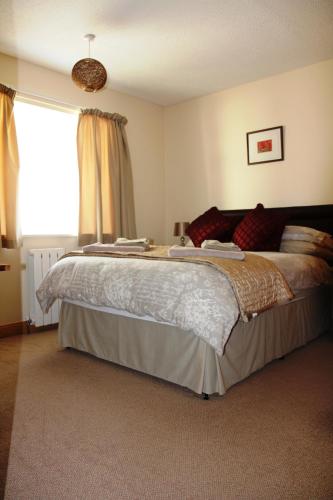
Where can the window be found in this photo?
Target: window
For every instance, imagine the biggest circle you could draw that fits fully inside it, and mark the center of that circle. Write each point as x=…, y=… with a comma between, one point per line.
x=49, y=181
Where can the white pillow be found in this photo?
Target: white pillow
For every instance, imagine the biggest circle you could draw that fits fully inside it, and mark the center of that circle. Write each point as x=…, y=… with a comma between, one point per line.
x=306, y=247
x=302, y=233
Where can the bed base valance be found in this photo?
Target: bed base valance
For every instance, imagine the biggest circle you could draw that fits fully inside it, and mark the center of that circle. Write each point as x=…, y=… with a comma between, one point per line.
x=181, y=357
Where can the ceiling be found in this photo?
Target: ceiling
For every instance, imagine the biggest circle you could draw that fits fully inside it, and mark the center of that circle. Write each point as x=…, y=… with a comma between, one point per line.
x=167, y=51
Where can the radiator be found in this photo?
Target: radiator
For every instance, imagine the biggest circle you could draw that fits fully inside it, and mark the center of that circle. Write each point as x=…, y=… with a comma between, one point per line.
x=39, y=262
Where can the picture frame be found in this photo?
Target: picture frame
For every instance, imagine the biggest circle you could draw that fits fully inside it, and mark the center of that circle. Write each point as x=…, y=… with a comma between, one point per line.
x=265, y=146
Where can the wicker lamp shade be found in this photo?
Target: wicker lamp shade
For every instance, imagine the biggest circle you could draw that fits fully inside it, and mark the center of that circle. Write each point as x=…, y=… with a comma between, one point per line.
x=89, y=74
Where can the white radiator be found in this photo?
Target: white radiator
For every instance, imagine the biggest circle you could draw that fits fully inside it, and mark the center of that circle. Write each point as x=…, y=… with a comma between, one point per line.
x=40, y=261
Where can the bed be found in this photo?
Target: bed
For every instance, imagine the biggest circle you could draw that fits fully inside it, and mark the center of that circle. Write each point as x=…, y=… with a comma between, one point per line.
x=181, y=356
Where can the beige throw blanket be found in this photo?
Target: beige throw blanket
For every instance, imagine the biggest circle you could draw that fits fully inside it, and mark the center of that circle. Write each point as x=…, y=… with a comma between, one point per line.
x=257, y=282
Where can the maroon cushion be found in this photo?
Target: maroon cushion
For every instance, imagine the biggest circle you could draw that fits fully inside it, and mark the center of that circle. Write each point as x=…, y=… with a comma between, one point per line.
x=211, y=225
x=232, y=221
x=260, y=230
x=272, y=243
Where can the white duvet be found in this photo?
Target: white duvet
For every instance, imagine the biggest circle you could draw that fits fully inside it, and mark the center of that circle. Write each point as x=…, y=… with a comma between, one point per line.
x=301, y=271
x=193, y=297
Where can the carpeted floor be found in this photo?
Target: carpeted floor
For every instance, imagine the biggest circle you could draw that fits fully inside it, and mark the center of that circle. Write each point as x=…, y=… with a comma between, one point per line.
x=75, y=427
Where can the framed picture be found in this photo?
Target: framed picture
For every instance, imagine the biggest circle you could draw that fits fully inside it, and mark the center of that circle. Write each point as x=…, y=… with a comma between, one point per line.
x=265, y=146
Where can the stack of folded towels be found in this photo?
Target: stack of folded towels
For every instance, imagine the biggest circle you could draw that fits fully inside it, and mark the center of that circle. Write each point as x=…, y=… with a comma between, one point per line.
x=120, y=245
x=209, y=248
x=222, y=246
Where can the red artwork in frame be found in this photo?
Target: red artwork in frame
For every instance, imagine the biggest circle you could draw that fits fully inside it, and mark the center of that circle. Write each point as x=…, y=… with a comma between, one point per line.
x=264, y=146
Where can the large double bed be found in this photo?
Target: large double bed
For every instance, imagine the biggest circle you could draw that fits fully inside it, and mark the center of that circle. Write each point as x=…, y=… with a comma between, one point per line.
x=170, y=341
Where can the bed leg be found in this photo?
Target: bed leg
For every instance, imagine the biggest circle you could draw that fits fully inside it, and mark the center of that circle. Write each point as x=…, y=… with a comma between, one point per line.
x=205, y=396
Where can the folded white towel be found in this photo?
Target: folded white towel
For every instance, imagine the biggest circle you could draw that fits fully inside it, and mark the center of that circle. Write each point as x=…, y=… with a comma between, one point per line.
x=111, y=247
x=179, y=251
x=135, y=242
x=218, y=245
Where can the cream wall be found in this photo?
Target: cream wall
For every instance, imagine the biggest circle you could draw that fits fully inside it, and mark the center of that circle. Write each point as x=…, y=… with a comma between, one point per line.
x=145, y=138
x=205, y=146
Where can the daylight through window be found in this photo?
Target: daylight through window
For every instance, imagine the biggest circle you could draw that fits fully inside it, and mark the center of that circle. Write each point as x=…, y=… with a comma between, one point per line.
x=49, y=183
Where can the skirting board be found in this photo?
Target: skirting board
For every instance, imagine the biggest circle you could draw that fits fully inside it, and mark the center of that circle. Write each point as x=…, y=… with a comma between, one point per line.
x=23, y=327
x=11, y=329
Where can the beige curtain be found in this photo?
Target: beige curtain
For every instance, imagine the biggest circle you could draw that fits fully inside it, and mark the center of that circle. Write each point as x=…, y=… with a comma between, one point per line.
x=9, y=169
x=106, y=184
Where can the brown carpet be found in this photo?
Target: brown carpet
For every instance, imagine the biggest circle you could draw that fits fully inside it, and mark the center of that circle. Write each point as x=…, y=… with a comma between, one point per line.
x=83, y=428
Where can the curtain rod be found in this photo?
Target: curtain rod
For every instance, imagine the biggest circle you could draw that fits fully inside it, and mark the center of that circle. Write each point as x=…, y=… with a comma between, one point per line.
x=47, y=100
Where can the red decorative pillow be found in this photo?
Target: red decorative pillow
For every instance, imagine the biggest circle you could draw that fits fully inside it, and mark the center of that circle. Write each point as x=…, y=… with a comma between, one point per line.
x=232, y=221
x=272, y=244
x=260, y=230
x=211, y=225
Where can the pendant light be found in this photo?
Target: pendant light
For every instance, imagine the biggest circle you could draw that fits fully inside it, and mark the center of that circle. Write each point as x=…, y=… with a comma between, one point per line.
x=89, y=74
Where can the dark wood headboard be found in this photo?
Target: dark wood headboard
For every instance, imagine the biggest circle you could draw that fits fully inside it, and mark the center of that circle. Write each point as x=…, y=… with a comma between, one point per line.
x=317, y=216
